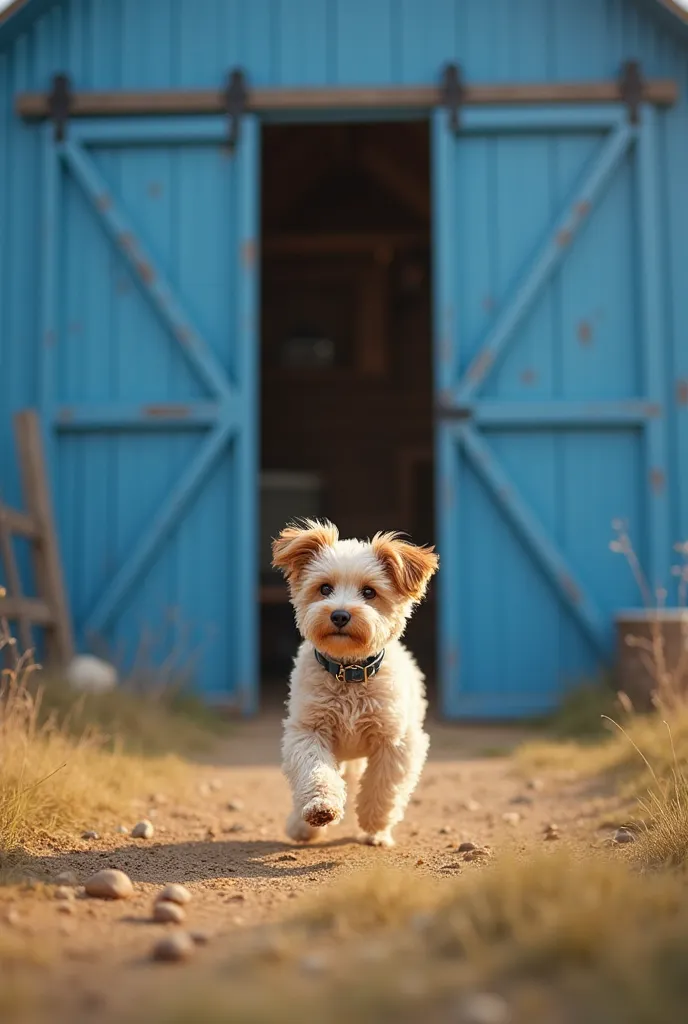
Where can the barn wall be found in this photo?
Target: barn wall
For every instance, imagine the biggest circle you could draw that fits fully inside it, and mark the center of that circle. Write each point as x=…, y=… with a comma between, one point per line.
x=191, y=43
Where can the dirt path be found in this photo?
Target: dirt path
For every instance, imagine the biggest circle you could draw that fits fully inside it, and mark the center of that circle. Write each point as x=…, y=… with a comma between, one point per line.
x=242, y=870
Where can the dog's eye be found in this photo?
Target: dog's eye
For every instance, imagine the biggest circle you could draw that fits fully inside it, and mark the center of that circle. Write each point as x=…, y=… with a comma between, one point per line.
x=326, y=590
x=368, y=593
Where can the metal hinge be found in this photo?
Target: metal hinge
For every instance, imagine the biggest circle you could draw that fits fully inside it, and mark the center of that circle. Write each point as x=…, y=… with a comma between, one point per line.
x=235, y=96
x=59, y=105
x=452, y=92
x=632, y=88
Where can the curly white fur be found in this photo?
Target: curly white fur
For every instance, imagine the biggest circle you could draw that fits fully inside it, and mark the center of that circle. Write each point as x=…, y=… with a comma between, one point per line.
x=339, y=732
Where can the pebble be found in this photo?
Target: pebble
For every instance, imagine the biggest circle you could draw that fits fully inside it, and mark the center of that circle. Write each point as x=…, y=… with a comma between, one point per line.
x=471, y=805
x=467, y=847
x=445, y=830
x=66, y=878
x=174, y=893
x=485, y=1008
x=200, y=938
x=166, y=912
x=63, y=892
x=90, y=835
x=480, y=851
x=122, y=830
x=236, y=828
x=110, y=884
x=535, y=784
x=622, y=835
x=511, y=817
x=287, y=857
x=235, y=805
x=551, y=832
x=521, y=799
x=143, y=830
x=66, y=908
x=174, y=948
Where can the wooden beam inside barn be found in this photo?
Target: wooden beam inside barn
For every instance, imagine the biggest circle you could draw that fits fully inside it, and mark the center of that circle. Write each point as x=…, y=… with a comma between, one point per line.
x=35, y=105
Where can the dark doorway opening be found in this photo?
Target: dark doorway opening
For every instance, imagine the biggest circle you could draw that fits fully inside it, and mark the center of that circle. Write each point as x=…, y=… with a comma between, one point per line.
x=346, y=371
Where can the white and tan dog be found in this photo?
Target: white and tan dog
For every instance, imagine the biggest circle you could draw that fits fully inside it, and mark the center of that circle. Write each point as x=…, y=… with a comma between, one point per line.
x=357, y=697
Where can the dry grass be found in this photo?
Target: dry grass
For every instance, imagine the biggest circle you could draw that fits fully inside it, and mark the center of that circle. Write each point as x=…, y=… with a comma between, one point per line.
x=60, y=772
x=559, y=940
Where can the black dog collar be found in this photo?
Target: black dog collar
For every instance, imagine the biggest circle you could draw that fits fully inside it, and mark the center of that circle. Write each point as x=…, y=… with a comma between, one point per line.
x=351, y=673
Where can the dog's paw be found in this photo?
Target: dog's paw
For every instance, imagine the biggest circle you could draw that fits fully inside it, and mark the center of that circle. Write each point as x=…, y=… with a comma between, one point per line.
x=378, y=839
x=298, y=830
x=319, y=813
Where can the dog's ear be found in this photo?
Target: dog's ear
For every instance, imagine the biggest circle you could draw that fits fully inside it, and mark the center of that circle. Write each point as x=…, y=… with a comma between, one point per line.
x=409, y=566
x=298, y=543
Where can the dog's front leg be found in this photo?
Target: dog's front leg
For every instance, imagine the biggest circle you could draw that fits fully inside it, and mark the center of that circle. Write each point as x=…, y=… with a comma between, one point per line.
x=313, y=772
x=389, y=780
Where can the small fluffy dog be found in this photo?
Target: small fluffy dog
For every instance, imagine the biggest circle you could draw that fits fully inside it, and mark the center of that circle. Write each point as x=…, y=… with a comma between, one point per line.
x=357, y=698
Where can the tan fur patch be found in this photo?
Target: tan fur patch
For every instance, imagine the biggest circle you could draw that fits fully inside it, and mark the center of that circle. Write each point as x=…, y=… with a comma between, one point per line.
x=410, y=567
x=298, y=544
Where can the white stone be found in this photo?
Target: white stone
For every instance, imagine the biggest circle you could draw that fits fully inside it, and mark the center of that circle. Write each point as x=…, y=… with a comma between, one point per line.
x=89, y=674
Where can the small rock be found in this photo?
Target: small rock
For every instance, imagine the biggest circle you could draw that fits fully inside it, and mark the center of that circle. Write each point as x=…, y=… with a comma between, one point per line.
x=210, y=833
x=287, y=857
x=535, y=784
x=63, y=892
x=122, y=830
x=476, y=854
x=313, y=963
x=485, y=1008
x=467, y=847
x=91, y=675
x=511, y=817
x=110, y=884
x=66, y=908
x=521, y=799
x=200, y=938
x=166, y=912
x=471, y=805
x=551, y=832
x=90, y=835
x=174, y=893
x=236, y=828
x=174, y=948
x=622, y=835
x=66, y=878
x=235, y=805
x=445, y=830
x=13, y=918
x=419, y=862
x=143, y=830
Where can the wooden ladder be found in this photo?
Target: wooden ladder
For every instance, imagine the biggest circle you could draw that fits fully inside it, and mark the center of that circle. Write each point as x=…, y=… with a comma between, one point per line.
x=50, y=609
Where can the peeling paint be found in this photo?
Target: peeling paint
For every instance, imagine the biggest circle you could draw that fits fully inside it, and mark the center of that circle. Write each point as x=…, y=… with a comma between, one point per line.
x=248, y=253
x=165, y=411
x=682, y=391
x=584, y=332
x=564, y=238
x=657, y=480
x=480, y=365
x=146, y=271
x=570, y=589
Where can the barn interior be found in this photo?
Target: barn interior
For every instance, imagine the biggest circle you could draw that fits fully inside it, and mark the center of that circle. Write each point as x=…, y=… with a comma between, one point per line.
x=346, y=376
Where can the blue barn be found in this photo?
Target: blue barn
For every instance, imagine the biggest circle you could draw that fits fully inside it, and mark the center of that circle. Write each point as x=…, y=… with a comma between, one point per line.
x=415, y=264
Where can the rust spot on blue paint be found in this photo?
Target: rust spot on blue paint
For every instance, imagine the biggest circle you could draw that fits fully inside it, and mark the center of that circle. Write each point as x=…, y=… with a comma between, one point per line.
x=488, y=303
x=480, y=365
x=584, y=332
x=564, y=238
x=528, y=376
x=248, y=253
x=183, y=335
x=582, y=209
x=682, y=391
x=103, y=202
x=126, y=240
x=165, y=411
x=154, y=189
x=570, y=589
x=653, y=410
x=146, y=272
x=657, y=480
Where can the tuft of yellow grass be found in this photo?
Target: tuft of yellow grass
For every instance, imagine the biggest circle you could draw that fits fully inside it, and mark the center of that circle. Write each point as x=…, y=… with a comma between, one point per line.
x=51, y=780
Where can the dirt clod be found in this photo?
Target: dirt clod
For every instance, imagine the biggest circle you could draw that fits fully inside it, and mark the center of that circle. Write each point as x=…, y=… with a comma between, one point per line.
x=143, y=830
x=110, y=884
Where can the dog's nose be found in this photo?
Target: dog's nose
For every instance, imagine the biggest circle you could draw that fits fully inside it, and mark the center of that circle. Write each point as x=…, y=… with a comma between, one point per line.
x=340, y=618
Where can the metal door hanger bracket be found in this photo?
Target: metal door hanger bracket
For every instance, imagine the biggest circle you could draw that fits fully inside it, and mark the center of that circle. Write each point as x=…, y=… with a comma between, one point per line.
x=235, y=97
x=632, y=88
x=453, y=94
x=59, y=105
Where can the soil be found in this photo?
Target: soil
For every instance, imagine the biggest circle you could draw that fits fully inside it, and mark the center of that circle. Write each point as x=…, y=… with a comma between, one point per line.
x=243, y=871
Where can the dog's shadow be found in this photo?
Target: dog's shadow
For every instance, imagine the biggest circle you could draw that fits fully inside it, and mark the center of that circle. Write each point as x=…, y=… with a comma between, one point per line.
x=196, y=861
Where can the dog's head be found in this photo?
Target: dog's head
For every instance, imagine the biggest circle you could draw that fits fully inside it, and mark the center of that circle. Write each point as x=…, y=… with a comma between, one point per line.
x=351, y=597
